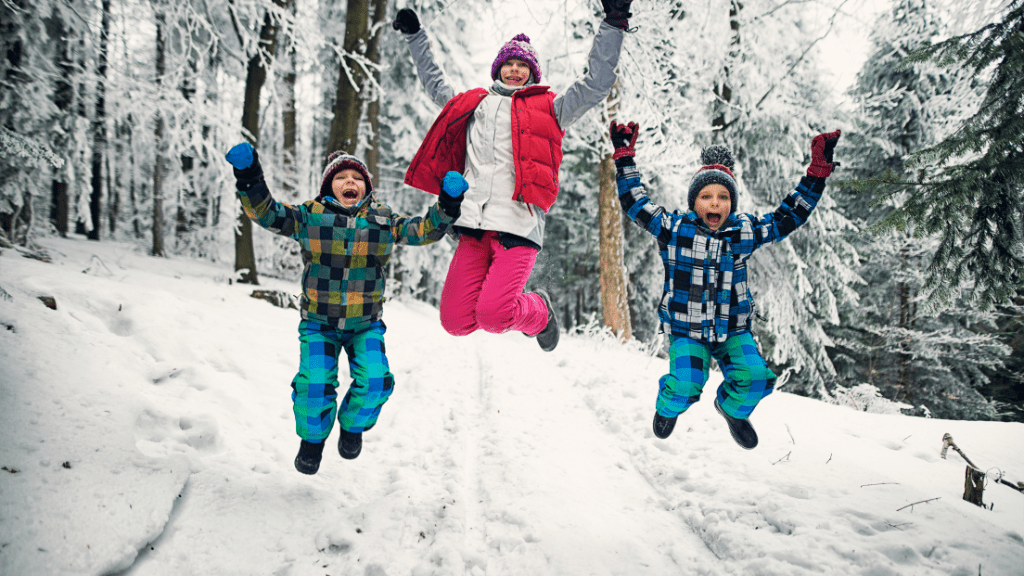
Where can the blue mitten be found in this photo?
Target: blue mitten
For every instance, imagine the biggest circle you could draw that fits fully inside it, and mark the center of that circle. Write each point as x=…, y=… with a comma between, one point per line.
x=240, y=155
x=454, y=184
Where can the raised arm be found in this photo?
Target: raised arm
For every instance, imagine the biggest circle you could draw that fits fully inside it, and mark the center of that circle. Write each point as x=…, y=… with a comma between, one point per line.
x=632, y=194
x=257, y=202
x=595, y=86
x=429, y=72
x=428, y=229
x=797, y=207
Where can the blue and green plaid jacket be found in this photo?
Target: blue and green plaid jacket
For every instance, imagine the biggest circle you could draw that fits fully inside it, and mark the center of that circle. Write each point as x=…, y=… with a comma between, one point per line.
x=344, y=250
x=706, y=296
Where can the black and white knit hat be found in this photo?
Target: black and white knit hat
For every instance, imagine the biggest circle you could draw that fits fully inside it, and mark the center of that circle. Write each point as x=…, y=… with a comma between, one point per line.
x=717, y=169
x=339, y=161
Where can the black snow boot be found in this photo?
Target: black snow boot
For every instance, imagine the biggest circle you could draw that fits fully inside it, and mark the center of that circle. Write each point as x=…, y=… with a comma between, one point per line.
x=548, y=337
x=308, y=460
x=350, y=444
x=742, y=431
x=663, y=426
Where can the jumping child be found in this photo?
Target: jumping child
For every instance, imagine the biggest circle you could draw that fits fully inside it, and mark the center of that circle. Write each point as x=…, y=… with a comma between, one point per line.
x=507, y=141
x=346, y=238
x=706, y=308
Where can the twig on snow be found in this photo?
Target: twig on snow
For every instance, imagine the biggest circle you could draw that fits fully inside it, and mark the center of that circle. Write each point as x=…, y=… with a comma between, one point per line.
x=921, y=502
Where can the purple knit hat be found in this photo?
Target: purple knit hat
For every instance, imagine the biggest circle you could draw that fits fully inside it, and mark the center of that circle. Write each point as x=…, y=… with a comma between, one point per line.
x=717, y=169
x=519, y=48
x=339, y=161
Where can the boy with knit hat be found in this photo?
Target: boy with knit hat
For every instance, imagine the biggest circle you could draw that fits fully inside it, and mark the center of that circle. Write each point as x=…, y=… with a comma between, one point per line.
x=346, y=238
x=706, y=308
x=507, y=141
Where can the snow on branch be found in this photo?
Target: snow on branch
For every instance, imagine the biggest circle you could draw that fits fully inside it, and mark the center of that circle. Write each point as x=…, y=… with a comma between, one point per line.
x=13, y=144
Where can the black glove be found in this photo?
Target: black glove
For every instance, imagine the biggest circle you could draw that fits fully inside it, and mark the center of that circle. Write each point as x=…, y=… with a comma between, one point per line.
x=406, y=22
x=822, y=147
x=617, y=13
x=624, y=138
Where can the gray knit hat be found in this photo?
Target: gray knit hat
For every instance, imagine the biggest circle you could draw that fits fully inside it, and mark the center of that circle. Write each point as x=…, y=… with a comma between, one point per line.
x=717, y=169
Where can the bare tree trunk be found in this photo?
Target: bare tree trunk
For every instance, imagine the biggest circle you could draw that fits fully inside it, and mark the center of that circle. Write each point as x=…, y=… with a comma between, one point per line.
x=372, y=156
x=723, y=90
x=99, y=127
x=288, y=120
x=348, y=101
x=158, y=161
x=256, y=75
x=903, y=289
x=614, y=276
x=63, y=98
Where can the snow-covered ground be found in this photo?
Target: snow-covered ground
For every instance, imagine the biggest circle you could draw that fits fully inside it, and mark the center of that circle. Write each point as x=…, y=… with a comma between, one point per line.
x=146, y=428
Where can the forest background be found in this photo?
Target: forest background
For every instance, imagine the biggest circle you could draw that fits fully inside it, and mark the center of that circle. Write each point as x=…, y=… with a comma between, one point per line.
x=907, y=285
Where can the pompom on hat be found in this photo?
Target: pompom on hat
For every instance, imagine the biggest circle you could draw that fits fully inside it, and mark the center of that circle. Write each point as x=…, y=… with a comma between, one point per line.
x=339, y=161
x=717, y=169
x=520, y=49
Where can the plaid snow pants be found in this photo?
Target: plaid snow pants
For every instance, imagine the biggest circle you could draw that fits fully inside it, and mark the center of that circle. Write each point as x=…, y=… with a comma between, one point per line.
x=746, y=377
x=314, y=389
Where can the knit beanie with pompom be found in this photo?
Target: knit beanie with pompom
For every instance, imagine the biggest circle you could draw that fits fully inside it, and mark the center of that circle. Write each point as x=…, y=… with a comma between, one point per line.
x=339, y=161
x=717, y=169
x=520, y=49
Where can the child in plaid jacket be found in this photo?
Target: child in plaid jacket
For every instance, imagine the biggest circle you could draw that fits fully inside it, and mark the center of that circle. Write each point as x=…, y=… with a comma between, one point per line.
x=346, y=238
x=706, y=308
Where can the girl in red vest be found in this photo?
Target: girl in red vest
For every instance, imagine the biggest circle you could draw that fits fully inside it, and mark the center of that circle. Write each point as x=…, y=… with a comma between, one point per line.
x=507, y=141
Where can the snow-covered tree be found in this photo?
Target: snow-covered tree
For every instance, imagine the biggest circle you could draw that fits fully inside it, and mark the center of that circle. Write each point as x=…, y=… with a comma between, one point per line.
x=969, y=187
x=887, y=339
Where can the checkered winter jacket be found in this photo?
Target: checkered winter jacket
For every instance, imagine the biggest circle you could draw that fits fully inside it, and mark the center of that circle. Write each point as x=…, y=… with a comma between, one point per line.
x=344, y=250
x=706, y=296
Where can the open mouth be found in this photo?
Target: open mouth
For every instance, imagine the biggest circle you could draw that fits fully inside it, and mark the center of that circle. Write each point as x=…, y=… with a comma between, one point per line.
x=350, y=195
x=713, y=219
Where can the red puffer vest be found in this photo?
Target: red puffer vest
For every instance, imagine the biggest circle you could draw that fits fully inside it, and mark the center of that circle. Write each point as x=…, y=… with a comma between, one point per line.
x=536, y=145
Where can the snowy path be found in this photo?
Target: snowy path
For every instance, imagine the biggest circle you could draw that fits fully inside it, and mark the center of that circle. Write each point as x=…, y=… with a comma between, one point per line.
x=147, y=430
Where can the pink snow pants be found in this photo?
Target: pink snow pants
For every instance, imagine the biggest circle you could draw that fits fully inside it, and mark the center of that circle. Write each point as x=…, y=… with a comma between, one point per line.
x=484, y=289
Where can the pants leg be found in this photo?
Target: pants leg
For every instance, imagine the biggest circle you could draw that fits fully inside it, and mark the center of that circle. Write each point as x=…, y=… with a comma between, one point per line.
x=372, y=381
x=747, y=378
x=689, y=366
x=461, y=292
x=502, y=305
x=314, y=388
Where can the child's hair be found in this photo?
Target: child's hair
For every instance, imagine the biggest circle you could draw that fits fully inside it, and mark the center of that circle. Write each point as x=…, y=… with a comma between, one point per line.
x=717, y=169
x=339, y=161
x=520, y=49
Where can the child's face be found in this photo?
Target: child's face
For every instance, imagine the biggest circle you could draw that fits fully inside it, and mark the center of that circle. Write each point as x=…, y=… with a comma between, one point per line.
x=515, y=72
x=349, y=187
x=713, y=205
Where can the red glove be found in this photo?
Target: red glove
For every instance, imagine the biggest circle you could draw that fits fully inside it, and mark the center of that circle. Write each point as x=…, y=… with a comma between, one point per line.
x=624, y=138
x=822, y=147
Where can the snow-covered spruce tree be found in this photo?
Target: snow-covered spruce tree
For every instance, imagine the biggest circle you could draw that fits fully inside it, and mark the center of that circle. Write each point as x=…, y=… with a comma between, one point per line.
x=34, y=142
x=933, y=360
x=969, y=188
